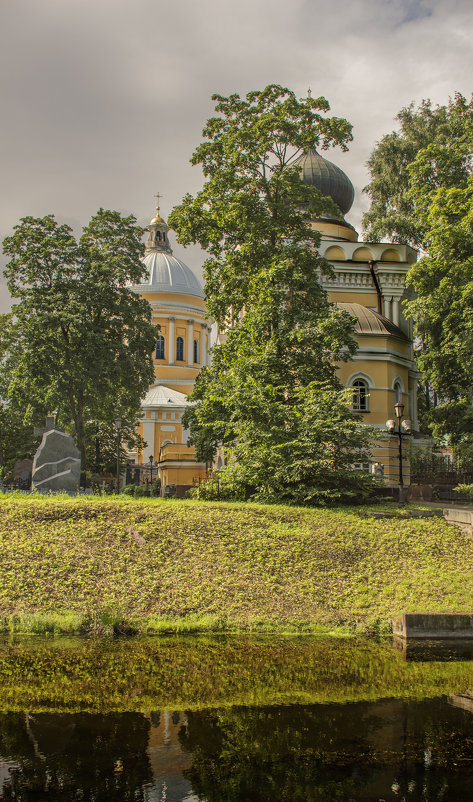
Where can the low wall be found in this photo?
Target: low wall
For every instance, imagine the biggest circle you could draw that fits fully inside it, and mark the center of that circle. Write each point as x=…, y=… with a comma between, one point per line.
x=433, y=625
x=458, y=516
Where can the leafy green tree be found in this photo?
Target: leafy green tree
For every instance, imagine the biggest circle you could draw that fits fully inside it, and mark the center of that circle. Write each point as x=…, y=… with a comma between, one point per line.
x=420, y=193
x=254, y=217
x=443, y=283
x=393, y=212
x=80, y=340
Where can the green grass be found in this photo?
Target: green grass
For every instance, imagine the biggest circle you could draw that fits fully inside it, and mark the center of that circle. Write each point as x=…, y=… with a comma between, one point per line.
x=123, y=565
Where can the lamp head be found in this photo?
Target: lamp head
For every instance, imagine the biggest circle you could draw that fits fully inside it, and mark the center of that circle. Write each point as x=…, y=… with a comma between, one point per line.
x=118, y=424
x=390, y=425
x=150, y=458
x=407, y=426
x=399, y=409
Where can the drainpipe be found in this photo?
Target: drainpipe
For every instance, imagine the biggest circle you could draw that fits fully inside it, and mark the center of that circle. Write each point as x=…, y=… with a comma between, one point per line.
x=376, y=284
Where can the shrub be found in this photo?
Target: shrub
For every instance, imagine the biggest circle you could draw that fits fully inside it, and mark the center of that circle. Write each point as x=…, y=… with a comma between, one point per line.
x=467, y=490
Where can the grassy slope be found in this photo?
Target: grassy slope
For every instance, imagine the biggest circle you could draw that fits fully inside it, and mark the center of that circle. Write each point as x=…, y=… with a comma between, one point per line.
x=208, y=562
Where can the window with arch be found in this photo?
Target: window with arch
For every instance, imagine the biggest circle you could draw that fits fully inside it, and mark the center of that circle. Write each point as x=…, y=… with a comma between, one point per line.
x=196, y=350
x=397, y=392
x=180, y=349
x=160, y=347
x=158, y=236
x=360, y=395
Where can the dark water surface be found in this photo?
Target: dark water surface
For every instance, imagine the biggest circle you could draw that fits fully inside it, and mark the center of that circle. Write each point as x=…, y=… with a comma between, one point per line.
x=231, y=719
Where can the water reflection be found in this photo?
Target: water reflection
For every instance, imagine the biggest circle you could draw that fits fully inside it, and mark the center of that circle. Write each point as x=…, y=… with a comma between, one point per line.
x=434, y=651
x=263, y=719
x=389, y=749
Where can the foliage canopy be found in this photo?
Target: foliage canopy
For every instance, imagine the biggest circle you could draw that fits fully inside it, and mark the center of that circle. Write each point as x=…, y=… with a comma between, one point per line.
x=422, y=191
x=79, y=340
x=280, y=336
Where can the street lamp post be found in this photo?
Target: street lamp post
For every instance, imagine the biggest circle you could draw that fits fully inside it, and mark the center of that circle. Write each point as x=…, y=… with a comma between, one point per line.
x=151, y=460
x=118, y=426
x=391, y=427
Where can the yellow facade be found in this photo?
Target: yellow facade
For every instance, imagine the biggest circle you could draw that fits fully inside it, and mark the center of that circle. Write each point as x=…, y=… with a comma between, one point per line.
x=182, y=349
x=369, y=282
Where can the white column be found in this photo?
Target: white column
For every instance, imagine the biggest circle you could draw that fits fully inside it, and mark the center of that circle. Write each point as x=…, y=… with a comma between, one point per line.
x=413, y=398
x=396, y=311
x=387, y=308
x=204, y=345
x=190, y=343
x=171, y=341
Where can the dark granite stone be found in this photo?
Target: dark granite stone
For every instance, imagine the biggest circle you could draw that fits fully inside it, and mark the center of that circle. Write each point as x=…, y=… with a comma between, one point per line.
x=56, y=465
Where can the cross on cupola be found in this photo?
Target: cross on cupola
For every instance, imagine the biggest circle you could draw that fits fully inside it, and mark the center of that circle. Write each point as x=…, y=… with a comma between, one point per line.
x=158, y=232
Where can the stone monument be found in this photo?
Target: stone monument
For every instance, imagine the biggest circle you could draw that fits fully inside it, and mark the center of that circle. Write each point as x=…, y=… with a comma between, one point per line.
x=56, y=464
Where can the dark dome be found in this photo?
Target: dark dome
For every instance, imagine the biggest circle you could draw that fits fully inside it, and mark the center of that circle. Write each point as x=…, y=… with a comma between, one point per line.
x=326, y=177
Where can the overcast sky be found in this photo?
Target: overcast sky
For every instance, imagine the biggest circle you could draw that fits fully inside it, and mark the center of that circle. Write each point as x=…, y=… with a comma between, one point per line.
x=103, y=101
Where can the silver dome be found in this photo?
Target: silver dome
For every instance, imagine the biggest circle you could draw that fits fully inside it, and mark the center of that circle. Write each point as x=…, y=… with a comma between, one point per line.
x=168, y=274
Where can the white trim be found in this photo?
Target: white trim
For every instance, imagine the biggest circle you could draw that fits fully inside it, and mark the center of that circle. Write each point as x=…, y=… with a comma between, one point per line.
x=363, y=376
x=386, y=356
x=180, y=316
x=398, y=380
x=165, y=463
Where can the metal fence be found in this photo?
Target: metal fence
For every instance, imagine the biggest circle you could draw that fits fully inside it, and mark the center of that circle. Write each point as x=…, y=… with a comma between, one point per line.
x=440, y=469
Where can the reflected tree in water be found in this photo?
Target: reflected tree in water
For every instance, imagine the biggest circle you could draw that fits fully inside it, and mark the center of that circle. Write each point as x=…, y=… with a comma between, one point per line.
x=368, y=751
x=80, y=757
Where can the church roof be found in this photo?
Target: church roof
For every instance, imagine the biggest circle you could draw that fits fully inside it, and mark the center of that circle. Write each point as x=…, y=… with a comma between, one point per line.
x=326, y=177
x=371, y=322
x=168, y=274
x=160, y=396
x=165, y=273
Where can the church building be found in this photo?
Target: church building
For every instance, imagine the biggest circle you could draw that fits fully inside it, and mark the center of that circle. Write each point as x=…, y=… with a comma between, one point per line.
x=182, y=349
x=368, y=281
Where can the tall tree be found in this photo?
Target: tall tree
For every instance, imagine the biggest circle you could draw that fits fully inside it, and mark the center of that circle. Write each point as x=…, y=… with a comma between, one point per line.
x=392, y=212
x=420, y=194
x=80, y=340
x=441, y=189
x=263, y=288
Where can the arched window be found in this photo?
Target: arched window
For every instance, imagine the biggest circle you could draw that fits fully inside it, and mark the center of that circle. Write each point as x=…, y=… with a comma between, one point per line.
x=397, y=392
x=158, y=236
x=196, y=350
x=160, y=347
x=180, y=349
x=360, y=396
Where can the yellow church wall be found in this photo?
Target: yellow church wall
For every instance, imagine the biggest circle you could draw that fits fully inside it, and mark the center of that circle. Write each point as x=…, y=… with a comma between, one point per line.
x=178, y=466
x=381, y=376
x=364, y=298
x=199, y=333
x=333, y=229
x=390, y=362
x=182, y=474
x=174, y=298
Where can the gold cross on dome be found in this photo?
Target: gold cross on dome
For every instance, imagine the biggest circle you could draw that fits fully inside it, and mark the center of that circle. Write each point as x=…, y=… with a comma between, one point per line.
x=158, y=196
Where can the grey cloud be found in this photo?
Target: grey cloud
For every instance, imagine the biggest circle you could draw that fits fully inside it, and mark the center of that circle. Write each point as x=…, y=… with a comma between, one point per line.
x=104, y=102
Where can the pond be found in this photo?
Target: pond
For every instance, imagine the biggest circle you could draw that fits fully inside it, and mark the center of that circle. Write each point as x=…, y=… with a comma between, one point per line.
x=226, y=718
